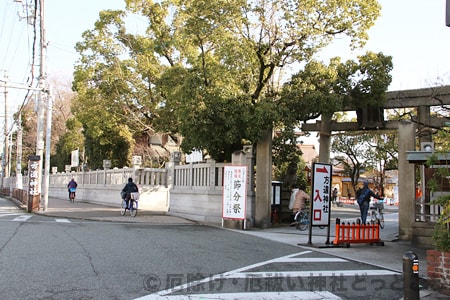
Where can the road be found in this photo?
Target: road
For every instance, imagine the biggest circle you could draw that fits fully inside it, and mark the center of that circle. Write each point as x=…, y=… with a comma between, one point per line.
x=53, y=258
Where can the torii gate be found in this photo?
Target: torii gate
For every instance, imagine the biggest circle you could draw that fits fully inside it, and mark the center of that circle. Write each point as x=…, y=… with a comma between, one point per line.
x=422, y=100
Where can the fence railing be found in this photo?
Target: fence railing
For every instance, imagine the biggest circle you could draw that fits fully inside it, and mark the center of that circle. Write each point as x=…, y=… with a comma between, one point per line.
x=98, y=177
x=199, y=176
x=192, y=176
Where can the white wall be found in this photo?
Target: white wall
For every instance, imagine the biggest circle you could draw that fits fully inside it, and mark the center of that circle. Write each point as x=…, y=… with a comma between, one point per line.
x=151, y=198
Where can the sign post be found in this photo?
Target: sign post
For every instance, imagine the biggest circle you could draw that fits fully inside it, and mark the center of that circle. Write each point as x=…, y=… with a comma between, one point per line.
x=34, y=194
x=320, y=198
x=234, y=193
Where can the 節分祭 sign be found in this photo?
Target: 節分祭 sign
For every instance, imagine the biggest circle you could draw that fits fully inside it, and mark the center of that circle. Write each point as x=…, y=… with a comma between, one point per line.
x=234, y=192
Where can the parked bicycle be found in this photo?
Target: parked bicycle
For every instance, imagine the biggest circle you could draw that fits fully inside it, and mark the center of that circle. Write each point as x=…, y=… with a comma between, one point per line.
x=376, y=213
x=132, y=205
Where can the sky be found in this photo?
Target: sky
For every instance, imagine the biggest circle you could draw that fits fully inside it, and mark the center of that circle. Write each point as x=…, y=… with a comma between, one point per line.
x=413, y=32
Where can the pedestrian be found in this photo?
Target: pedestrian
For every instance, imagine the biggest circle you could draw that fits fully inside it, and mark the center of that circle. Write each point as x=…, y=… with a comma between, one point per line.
x=299, y=202
x=129, y=188
x=334, y=195
x=364, y=199
x=72, y=186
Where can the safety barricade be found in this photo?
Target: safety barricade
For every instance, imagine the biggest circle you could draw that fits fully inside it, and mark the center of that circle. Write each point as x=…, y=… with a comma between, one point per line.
x=347, y=234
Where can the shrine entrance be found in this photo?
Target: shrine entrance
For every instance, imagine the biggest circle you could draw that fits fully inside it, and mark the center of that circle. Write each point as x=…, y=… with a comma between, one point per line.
x=418, y=129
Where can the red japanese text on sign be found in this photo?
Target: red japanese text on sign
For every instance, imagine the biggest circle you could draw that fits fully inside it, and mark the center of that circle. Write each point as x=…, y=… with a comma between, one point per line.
x=321, y=194
x=234, y=192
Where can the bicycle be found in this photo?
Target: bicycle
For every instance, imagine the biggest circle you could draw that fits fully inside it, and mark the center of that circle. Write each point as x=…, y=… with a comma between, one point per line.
x=72, y=194
x=301, y=219
x=133, y=205
x=376, y=214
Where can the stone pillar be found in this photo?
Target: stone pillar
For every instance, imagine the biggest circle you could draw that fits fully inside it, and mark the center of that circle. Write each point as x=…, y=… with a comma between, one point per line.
x=238, y=158
x=250, y=162
x=175, y=158
x=406, y=180
x=325, y=139
x=248, y=150
x=263, y=180
x=170, y=166
x=424, y=121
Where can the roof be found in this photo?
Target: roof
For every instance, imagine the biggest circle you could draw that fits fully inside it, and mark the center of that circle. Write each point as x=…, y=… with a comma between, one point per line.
x=309, y=152
x=421, y=157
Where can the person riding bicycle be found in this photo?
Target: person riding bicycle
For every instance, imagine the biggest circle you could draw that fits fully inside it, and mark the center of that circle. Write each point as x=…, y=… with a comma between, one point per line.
x=299, y=201
x=363, y=197
x=71, y=186
x=129, y=188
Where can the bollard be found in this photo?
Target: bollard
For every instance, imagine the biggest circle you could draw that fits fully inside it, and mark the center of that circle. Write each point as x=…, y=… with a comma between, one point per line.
x=410, y=276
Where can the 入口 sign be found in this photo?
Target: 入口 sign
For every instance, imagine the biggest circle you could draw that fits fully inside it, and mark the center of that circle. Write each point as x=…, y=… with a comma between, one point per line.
x=321, y=194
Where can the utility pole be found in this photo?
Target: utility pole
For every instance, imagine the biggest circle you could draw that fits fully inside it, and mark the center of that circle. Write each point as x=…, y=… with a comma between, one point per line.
x=44, y=96
x=41, y=98
x=19, y=184
x=6, y=152
x=5, y=165
x=48, y=148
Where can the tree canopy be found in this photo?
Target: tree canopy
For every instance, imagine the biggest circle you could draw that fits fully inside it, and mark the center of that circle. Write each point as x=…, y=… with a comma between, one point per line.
x=211, y=71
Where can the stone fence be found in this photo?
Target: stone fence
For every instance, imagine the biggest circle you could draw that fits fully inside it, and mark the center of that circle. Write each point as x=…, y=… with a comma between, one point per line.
x=192, y=191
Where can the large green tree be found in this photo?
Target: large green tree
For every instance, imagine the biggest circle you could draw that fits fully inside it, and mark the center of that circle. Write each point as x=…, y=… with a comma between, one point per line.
x=114, y=81
x=209, y=70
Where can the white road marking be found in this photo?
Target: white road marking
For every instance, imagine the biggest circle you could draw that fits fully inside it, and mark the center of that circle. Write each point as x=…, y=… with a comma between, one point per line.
x=293, y=274
x=63, y=220
x=311, y=259
x=3, y=214
x=22, y=218
x=253, y=296
x=242, y=274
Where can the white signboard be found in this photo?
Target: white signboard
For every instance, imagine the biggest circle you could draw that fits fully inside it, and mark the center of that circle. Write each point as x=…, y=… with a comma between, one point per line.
x=321, y=194
x=74, y=161
x=234, y=192
x=136, y=160
x=195, y=156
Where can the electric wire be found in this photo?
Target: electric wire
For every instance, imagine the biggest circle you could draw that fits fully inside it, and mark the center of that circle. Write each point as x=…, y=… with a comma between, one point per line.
x=30, y=66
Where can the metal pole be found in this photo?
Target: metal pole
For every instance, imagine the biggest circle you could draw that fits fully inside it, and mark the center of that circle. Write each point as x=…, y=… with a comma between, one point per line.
x=3, y=154
x=47, y=149
x=447, y=13
x=6, y=150
x=19, y=181
x=410, y=276
x=42, y=85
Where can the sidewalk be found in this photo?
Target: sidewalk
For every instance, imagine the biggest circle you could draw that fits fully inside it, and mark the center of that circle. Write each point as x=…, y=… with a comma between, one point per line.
x=63, y=208
x=389, y=256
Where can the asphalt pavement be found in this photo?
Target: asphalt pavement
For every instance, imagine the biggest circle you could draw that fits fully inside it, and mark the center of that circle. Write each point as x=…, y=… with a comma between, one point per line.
x=388, y=256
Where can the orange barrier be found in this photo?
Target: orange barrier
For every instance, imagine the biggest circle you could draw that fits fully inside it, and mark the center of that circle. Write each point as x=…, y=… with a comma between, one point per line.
x=357, y=233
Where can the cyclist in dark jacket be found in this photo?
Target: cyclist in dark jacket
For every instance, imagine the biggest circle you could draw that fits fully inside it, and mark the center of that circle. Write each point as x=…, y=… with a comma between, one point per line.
x=366, y=192
x=129, y=188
